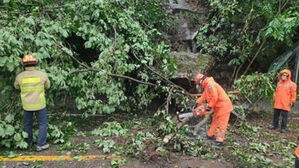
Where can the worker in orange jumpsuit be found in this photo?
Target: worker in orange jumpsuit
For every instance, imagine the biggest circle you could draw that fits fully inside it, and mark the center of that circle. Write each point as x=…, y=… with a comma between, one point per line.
x=217, y=100
x=284, y=99
x=297, y=157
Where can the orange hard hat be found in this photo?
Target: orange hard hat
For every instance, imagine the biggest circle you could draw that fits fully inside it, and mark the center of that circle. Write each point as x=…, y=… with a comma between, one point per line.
x=198, y=77
x=29, y=60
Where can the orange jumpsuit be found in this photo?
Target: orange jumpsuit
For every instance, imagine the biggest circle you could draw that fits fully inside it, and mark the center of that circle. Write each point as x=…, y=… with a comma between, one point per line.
x=285, y=93
x=297, y=151
x=219, y=101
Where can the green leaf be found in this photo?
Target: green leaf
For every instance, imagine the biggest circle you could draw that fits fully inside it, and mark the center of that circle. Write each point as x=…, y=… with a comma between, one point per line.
x=22, y=145
x=18, y=137
x=10, y=130
x=9, y=118
x=2, y=132
x=11, y=154
x=25, y=134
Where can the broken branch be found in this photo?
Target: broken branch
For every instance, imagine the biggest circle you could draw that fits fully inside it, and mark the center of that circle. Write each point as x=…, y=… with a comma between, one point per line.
x=114, y=75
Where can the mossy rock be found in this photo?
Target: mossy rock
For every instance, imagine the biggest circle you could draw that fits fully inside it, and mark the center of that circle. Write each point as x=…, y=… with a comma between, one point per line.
x=189, y=64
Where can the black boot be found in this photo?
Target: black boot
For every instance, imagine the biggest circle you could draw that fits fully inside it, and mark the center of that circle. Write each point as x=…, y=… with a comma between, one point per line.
x=211, y=137
x=218, y=143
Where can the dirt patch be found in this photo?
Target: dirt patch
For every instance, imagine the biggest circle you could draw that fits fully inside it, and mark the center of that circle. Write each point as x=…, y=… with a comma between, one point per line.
x=58, y=164
x=180, y=162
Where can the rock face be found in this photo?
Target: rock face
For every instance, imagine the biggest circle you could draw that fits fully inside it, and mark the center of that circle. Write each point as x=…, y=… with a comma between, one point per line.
x=189, y=64
x=183, y=10
x=189, y=15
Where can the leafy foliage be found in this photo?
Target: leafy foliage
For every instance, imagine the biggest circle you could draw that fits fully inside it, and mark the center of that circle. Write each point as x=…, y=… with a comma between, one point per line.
x=258, y=147
x=11, y=133
x=106, y=145
x=240, y=32
x=76, y=148
x=90, y=50
x=166, y=125
x=60, y=133
x=136, y=142
x=117, y=162
x=255, y=86
x=110, y=129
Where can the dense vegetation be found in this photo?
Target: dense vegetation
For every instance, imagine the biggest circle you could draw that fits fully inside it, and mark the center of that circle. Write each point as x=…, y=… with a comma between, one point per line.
x=102, y=54
x=108, y=56
x=249, y=35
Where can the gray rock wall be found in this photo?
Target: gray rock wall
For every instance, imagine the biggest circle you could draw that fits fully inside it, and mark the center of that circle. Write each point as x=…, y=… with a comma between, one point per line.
x=267, y=105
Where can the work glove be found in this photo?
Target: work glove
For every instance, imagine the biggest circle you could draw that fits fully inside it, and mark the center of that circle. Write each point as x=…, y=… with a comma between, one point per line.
x=196, y=111
x=199, y=110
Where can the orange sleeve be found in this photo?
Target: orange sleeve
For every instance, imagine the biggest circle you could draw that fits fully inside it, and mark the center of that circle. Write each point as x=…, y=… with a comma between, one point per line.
x=212, y=95
x=202, y=98
x=297, y=151
x=293, y=93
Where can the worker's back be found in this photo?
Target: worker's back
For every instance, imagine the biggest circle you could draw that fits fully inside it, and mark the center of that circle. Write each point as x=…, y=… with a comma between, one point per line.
x=32, y=84
x=223, y=101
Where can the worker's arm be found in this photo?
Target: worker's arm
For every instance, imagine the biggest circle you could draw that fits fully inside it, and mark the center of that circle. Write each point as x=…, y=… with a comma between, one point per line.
x=16, y=84
x=47, y=83
x=212, y=96
x=202, y=98
x=293, y=93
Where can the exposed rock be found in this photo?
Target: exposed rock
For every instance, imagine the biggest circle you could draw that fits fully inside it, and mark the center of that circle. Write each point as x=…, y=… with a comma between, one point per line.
x=189, y=64
x=185, y=31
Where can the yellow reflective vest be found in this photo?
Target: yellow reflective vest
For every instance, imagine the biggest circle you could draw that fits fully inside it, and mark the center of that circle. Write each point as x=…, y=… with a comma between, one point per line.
x=33, y=84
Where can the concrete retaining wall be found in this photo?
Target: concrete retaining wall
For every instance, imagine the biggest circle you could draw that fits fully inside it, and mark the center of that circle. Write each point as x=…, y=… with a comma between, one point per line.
x=266, y=105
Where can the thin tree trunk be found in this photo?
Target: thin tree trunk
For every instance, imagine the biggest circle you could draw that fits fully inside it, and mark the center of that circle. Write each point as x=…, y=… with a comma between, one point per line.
x=255, y=56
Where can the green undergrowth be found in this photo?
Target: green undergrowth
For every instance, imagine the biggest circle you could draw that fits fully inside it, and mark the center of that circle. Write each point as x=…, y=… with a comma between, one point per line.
x=248, y=143
x=253, y=145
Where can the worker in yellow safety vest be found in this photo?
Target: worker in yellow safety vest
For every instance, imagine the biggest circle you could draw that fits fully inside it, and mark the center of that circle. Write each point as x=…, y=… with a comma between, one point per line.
x=33, y=84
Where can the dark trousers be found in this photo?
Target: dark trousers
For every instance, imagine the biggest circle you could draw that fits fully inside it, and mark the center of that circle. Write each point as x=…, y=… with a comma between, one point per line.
x=277, y=113
x=41, y=116
x=297, y=162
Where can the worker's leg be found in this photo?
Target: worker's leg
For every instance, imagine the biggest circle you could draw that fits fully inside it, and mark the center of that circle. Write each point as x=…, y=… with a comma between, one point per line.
x=214, y=125
x=28, y=126
x=296, y=162
x=284, y=119
x=276, y=118
x=41, y=116
x=223, y=122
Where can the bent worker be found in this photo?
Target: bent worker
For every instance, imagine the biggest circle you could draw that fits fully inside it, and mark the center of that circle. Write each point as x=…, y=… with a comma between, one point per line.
x=217, y=100
x=33, y=84
x=284, y=99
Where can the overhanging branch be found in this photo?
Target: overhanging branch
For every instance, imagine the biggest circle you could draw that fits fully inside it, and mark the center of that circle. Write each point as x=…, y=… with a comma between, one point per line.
x=113, y=75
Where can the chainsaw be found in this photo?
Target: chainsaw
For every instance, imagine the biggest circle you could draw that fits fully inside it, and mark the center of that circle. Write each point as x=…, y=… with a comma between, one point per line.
x=198, y=111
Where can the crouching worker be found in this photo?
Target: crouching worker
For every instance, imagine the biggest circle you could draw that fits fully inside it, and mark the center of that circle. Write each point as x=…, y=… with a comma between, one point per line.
x=217, y=100
x=33, y=84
